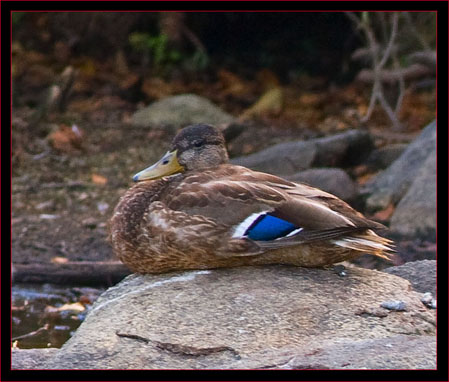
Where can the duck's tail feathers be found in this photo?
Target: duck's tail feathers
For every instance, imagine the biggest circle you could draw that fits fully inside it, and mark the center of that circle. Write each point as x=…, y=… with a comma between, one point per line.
x=368, y=242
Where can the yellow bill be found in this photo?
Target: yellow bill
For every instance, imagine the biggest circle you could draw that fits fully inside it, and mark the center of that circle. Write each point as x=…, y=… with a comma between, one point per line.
x=167, y=165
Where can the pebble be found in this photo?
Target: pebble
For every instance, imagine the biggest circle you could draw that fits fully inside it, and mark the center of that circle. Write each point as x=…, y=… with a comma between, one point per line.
x=89, y=222
x=340, y=270
x=398, y=306
x=48, y=217
x=428, y=300
x=43, y=205
x=102, y=207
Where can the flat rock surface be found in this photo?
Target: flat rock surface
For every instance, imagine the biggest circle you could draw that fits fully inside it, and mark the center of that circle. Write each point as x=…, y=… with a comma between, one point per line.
x=254, y=317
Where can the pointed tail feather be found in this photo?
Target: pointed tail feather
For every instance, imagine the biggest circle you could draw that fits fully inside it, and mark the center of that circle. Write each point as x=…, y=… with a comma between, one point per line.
x=368, y=242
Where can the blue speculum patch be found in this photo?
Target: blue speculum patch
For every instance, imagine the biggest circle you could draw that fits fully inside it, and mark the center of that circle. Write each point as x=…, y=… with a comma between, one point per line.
x=268, y=227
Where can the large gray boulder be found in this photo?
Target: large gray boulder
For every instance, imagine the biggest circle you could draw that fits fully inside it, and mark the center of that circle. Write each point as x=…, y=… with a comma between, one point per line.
x=392, y=184
x=416, y=213
x=333, y=180
x=252, y=318
x=288, y=158
x=179, y=111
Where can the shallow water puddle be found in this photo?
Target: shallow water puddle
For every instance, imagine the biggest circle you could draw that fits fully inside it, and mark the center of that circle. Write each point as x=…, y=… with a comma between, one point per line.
x=46, y=315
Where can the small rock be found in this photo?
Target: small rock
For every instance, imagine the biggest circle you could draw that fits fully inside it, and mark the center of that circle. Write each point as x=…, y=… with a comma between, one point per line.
x=428, y=300
x=340, y=270
x=44, y=205
x=83, y=196
x=102, y=207
x=48, y=217
x=398, y=306
x=89, y=223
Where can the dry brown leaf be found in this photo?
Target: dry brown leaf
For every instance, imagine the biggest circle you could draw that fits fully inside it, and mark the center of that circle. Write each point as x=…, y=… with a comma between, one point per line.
x=88, y=67
x=67, y=139
x=384, y=214
x=75, y=307
x=360, y=170
x=232, y=84
x=365, y=178
x=310, y=99
x=270, y=103
x=99, y=179
x=59, y=260
x=129, y=81
x=156, y=88
x=268, y=79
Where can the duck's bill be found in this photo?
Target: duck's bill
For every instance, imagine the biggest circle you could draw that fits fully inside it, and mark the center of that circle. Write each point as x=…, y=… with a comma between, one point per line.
x=167, y=165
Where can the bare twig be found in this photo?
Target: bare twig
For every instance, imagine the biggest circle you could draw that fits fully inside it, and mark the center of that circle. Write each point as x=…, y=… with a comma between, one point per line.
x=393, y=76
x=394, y=31
x=31, y=334
x=401, y=94
x=377, y=93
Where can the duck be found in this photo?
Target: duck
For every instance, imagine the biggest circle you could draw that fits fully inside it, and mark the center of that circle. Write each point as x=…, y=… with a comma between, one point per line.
x=193, y=209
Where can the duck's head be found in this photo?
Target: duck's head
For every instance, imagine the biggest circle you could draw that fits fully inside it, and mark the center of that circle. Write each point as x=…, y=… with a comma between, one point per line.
x=196, y=147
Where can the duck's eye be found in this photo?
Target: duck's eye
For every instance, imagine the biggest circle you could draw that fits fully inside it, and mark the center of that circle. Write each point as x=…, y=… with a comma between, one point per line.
x=198, y=143
x=165, y=161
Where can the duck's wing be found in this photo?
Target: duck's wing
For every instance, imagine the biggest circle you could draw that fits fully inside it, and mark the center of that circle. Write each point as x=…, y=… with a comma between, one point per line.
x=265, y=210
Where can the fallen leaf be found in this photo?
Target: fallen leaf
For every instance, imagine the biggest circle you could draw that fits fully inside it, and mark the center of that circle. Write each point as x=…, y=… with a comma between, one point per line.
x=59, y=260
x=385, y=214
x=85, y=299
x=99, y=179
x=232, y=84
x=268, y=79
x=270, y=103
x=76, y=306
x=157, y=88
x=310, y=99
x=362, y=180
x=360, y=170
x=67, y=139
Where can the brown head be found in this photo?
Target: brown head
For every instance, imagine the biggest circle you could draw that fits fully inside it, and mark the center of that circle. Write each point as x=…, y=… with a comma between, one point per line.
x=196, y=147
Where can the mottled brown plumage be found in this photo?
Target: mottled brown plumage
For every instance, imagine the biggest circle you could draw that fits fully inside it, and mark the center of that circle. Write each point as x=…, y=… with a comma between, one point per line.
x=211, y=214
